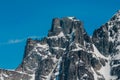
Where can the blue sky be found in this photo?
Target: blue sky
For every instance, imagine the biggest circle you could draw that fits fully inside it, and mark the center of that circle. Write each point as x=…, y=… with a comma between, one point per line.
x=20, y=19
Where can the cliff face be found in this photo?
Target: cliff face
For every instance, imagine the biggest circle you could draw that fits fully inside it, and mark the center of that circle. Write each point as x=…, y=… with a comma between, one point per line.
x=107, y=40
x=68, y=53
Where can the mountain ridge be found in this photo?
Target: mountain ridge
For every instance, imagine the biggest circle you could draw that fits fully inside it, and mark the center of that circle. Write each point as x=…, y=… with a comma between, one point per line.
x=69, y=53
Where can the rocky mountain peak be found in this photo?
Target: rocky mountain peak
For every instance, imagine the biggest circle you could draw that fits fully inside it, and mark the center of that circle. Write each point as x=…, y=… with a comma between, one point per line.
x=66, y=25
x=70, y=28
x=68, y=53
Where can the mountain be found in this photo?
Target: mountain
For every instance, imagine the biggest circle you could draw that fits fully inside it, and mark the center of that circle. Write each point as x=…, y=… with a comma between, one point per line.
x=69, y=53
x=107, y=41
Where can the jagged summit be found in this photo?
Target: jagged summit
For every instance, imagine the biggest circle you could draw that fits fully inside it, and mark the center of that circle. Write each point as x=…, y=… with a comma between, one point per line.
x=68, y=27
x=65, y=24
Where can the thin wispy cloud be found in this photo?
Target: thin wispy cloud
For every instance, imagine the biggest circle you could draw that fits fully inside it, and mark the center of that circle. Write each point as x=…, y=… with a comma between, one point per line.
x=15, y=41
x=12, y=41
x=34, y=37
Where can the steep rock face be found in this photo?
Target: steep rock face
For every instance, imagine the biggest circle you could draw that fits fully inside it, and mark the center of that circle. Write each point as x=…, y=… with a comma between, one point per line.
x=66, y=41
x=107, y=40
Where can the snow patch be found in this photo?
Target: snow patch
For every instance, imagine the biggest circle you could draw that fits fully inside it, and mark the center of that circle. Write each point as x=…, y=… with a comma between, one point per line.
x=73, y=19
x=5, y=75
x=117, y=56
x=116, y=65
x=1, y=77
x=54, y=59
x=94, y=74
x=97, y=53
x=61, y=34
x=58, y=26
x=105, y=71
x=85, y=75
x=58, y=48
x=78, y=47
x=57, y=73
x=33, y=77
x=44, y=46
